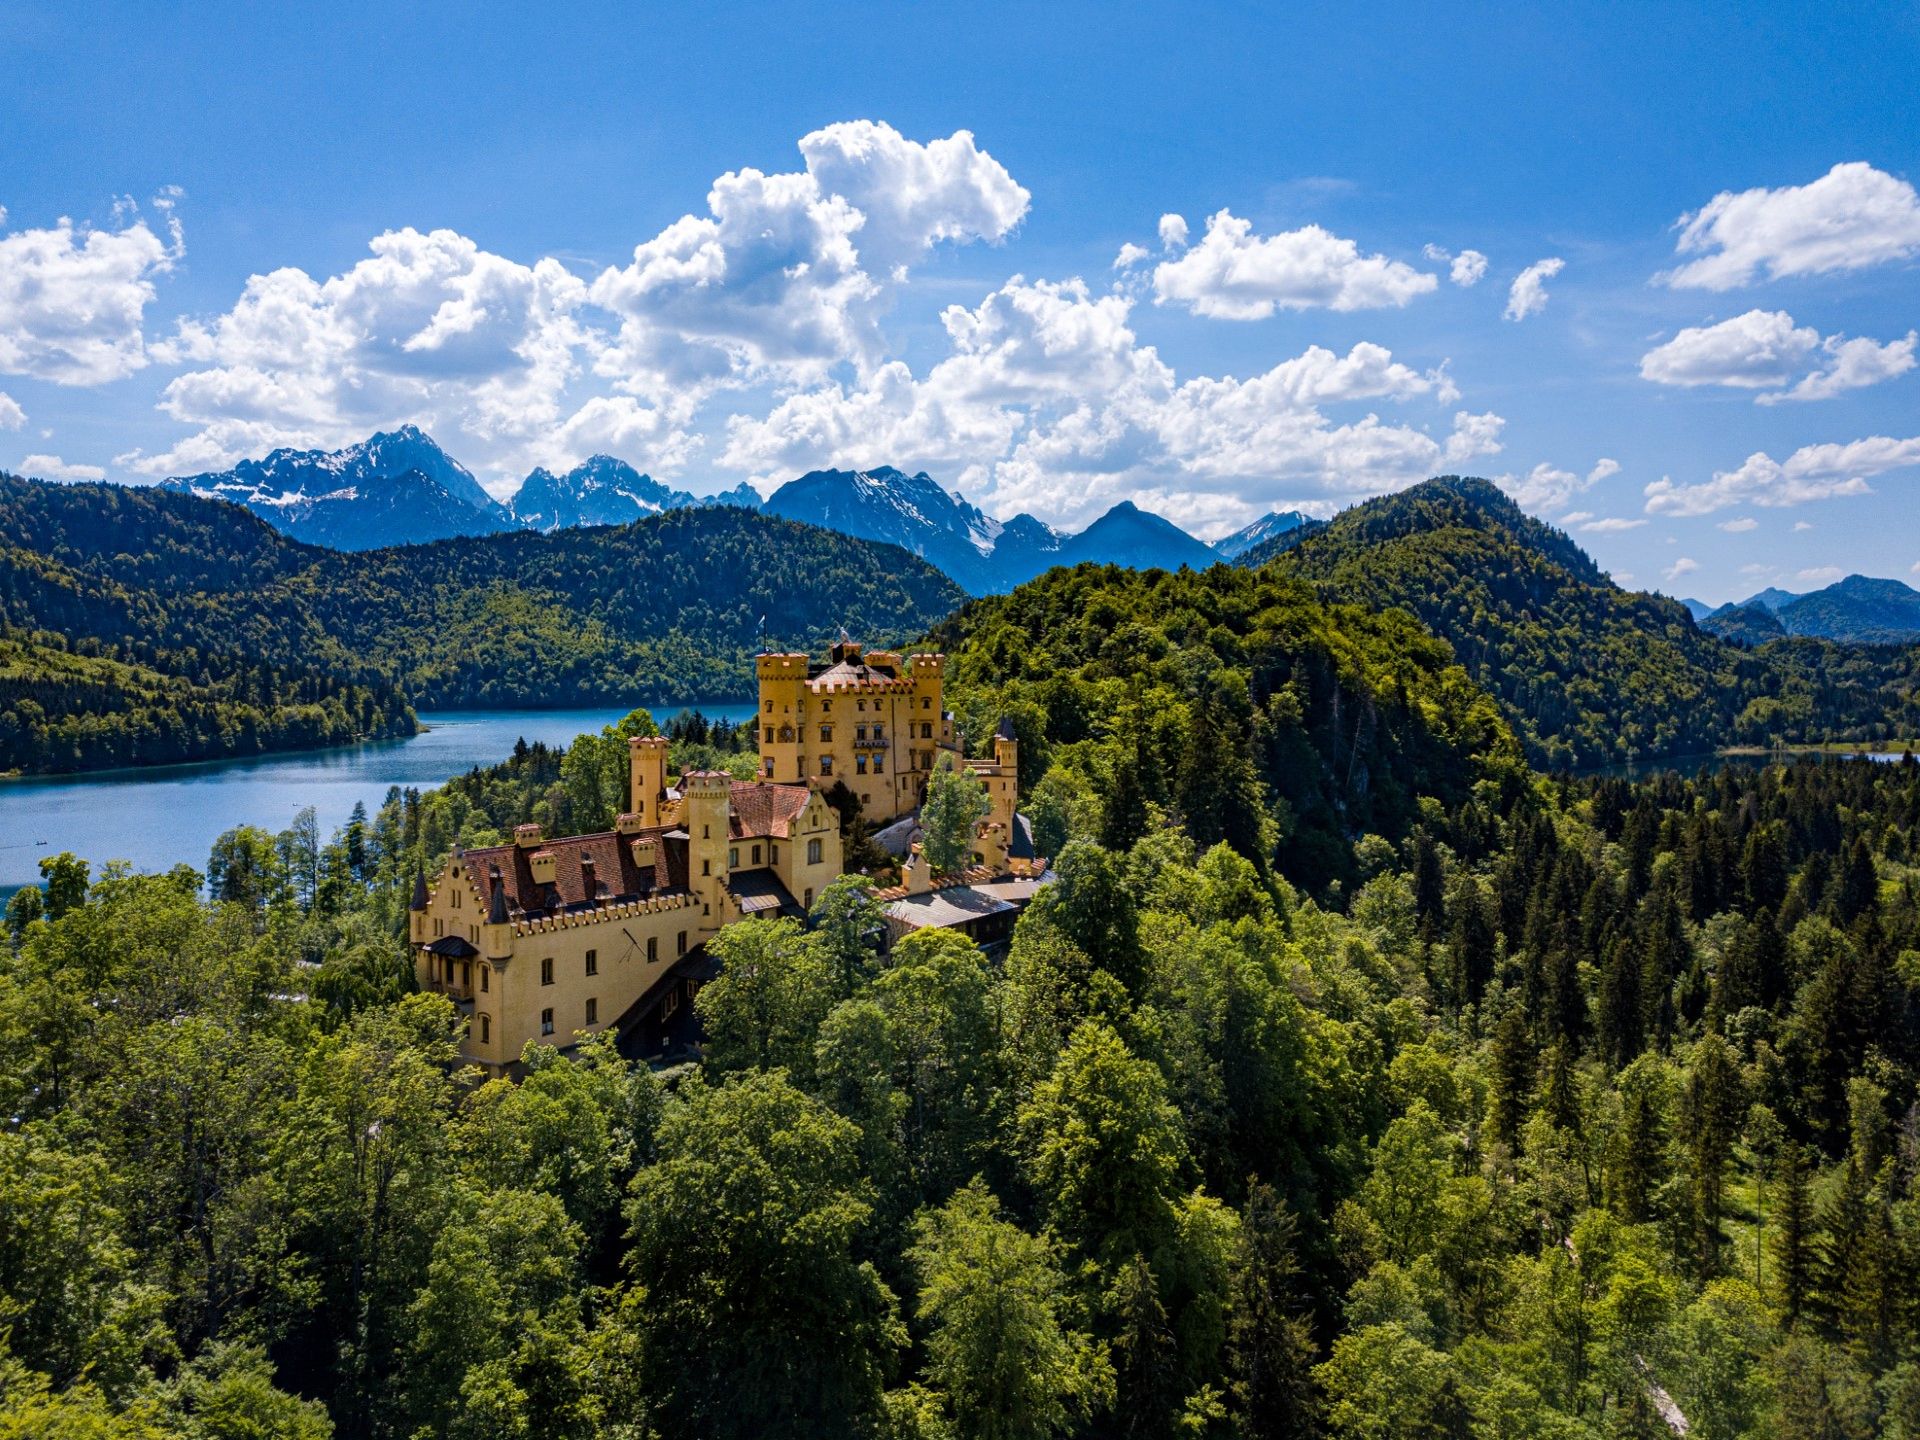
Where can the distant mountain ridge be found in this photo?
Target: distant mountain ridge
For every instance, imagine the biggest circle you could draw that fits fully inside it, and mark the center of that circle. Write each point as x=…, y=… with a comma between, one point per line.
x=1274, y=522
x=400, y=487
x=1858, y=610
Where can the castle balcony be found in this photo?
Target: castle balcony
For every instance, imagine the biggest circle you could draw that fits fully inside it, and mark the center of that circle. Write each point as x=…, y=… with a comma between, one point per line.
x=878, y=742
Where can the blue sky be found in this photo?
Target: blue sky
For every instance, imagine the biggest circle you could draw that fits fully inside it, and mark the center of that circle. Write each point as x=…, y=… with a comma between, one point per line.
x=298, y=225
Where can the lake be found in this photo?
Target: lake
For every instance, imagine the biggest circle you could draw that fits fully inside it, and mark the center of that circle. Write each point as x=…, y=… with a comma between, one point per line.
x=162, y=815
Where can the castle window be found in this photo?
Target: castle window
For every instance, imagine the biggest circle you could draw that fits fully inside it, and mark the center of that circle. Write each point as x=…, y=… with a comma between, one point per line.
x=769, y=707
x=733, y=858
x=879, y=764
x=466, y=973
x=593, y=962
x=808, y=902
x=670, y=1003
x=860, y=764
x=546, y=972
x=826, y=734
x=546, y=1022
x=437, y=926
x=826, y=764
x=756, y=854
x=767, y=767
x=486, y=1029
x=926, y=703
x=769, y=734
x=826, y=707
x=860, y=733
x=653, y=948
x=706, y=867
x=683, y=942
x=486, y=975
x=813, y=854
x=859, y=704
x=593, y=1011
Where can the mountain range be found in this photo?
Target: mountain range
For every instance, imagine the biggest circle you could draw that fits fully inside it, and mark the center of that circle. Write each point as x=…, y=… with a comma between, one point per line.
x=1859, y=610
x=400, y=487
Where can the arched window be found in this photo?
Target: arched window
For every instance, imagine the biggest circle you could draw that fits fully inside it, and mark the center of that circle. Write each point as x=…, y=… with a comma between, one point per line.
x=813, y=852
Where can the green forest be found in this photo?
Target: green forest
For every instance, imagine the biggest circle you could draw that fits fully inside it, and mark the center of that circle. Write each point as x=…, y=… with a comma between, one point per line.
x=1351, y=1079
x=87, y=705
x=670, y=609
x=1590, y=674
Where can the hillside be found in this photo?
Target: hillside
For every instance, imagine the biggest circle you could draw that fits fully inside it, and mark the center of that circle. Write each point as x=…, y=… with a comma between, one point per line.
x=1231, y=698
x=665, y=609
x=1588, y=673
x=1858, y=609
x=93, y=707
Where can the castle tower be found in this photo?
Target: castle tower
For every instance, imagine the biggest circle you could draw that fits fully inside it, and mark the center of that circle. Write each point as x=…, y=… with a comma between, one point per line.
x=783, y=717
x=706, y=797
x=1003, y=783
x=647, y=777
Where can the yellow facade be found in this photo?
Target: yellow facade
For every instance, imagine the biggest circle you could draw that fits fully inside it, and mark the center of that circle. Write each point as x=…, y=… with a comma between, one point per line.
x=873, y=720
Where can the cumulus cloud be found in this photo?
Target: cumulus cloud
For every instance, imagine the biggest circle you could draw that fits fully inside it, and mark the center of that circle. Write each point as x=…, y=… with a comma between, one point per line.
x=1130, y=255
x=52, y=467
x=1852, y=217
x=786, y=275
x=1047, y=401
x=1851, y=365
x=1753, y=351
x=1233, y=274
x=1528, y=293
x=1612, y=525
x=1764, y=349
x=1813, y=472
x=73, y=299
x=1685, y=565
x=1740, y=526
x=1546, y=487
x=1466, y=269
x=429, y=328
x=12, y=417
x=1173, y=232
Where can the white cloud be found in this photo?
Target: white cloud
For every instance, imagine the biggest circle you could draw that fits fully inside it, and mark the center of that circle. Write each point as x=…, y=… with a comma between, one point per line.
x=1612, y=525
x=1546, y=488
x=1683, y=566
x=1813, y=472
x=1574, y=517
x=73, y=299
x=1469, y=268
x=1751, y=351
x=786, y=275
x=1233, y=274
x=429, y=328
x=1916, y=568
x=1130, y=255
x=52, y=467
x=1528, y=293
x=1740, y=526
x=1800, y=525
x=1820, y=575
x=1173, y=232
x=1851, y=217
x=12, y=417
x=1047, y=401
x=1855, y=364
x=1763, y=349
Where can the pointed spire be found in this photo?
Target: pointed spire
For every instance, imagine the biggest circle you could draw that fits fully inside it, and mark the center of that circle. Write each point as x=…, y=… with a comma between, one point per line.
x=497, y=907
x=419, y=889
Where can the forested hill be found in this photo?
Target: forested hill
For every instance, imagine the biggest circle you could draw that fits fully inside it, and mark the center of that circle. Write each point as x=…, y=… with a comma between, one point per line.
x=1231, y=700
x=665, y=609
x=1589, y=673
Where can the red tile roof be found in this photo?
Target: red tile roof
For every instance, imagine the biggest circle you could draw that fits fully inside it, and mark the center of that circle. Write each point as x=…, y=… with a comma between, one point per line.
x=764, y=811
x=615, y=873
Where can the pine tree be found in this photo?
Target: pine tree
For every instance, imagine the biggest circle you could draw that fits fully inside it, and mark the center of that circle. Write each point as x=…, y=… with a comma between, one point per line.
x=1513, y=1064
x=1793, y=1240
x=1270, y=1343
x=1144, y=1361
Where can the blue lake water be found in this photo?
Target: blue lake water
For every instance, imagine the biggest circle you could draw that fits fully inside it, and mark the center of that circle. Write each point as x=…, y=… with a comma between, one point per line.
x=166, y=814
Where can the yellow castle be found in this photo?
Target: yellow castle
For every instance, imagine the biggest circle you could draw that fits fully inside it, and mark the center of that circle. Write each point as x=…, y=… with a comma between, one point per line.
x=548, y=937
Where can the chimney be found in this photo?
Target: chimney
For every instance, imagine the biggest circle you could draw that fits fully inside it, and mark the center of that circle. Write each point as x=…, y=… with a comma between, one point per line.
x=526, y=836
x=589, y=881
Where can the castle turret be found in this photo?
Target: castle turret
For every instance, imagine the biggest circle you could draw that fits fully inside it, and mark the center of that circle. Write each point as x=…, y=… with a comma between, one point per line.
x=705, y=796
x=647, y=777
x=783, y=717
x=1003, y=785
